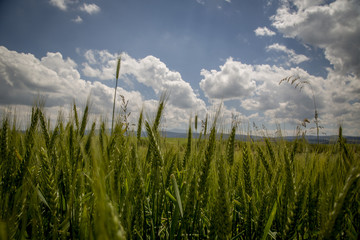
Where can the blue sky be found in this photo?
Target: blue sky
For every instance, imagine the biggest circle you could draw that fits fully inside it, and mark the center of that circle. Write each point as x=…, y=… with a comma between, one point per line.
x=203, y=52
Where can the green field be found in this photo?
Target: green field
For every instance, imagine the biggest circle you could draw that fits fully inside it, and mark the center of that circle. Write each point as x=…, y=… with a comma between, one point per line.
x=67, y=183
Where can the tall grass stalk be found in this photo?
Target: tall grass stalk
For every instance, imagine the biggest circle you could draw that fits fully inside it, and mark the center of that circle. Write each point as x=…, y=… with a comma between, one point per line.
x=117, y=78
x=298, y=83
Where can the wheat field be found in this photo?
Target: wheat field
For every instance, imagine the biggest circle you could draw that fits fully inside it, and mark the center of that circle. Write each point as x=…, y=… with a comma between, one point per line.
x=76, y=180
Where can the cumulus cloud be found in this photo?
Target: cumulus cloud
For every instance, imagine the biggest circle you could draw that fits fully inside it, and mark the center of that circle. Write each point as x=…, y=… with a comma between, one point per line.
x=24, y=77
x=264, y=31
x=259, y=94
x=292, y=56
x=231, y=82
x=253, y=89
x=256, y=85
x=103, y=69
x=150, y=71
x=91, y=8
x=335, y=27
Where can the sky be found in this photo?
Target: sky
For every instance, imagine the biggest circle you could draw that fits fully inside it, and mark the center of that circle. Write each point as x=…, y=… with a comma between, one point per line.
x=203, y=53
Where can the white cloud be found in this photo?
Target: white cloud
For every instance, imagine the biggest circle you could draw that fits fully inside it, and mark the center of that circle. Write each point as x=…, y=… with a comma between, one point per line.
x=90, y=56
x=78, y=19
x=248, y=83
x=264, y=31
x=292, y=56
x=258, y=91
x=65, y=5
x=278, y=47
x=91, y=72
x=256, y=88
x=149, y=71
x=303, y=4
x=61, y=4
x=23, y=77
x=90, y=8
x=335, y=27
x=232, y=81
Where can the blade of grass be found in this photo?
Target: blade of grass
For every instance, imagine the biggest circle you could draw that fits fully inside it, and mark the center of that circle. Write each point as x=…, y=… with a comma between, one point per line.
x=269, y=221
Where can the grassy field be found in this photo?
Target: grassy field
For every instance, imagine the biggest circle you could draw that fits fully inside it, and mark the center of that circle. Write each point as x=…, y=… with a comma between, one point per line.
x=65, y=184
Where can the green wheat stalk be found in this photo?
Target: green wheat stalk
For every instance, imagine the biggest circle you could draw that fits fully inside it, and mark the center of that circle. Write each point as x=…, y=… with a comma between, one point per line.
x=117, y=78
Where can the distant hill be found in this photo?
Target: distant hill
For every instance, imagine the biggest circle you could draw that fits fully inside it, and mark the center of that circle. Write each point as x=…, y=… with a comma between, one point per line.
x=310, y=138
